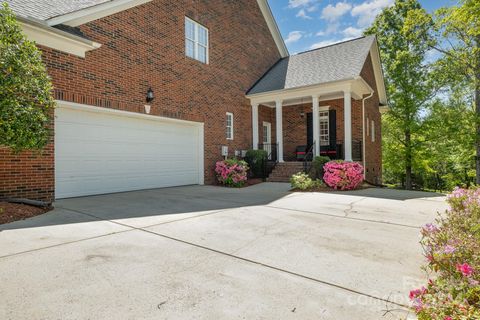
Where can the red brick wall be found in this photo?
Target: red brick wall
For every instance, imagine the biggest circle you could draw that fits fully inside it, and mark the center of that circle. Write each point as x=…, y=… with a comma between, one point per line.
x=373, y=149
x=145, y=47
x=295, y=127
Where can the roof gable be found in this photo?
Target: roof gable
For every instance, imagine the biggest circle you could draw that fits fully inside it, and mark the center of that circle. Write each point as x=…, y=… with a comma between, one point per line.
x=328, y=64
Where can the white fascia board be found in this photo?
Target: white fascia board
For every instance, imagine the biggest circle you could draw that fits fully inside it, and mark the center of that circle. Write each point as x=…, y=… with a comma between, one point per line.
x=272, y=25
x=86, y=15
x=378, y=72
x=56, y=39
x=301, y=92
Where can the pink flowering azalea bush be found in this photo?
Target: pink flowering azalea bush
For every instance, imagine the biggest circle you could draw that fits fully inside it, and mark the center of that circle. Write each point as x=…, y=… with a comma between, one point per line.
x=343, y=175
x=231, y=172
x=452, y=248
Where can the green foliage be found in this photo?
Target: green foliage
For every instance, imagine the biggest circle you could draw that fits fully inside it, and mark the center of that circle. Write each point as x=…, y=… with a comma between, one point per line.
x=456, y=30
x=317, y=166
x=256, y=161
x=25, y=88
x=447, y=129
x=408, y=81
x=302, y=181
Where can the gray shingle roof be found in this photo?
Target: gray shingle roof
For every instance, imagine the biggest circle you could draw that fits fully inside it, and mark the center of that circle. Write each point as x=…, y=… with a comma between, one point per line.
x=339, y=61
x=46, y=9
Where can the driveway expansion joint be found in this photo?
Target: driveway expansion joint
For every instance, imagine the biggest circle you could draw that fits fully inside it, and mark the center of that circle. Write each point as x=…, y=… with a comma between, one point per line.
x=345, y=217
x=292, y=273
x=232, y=255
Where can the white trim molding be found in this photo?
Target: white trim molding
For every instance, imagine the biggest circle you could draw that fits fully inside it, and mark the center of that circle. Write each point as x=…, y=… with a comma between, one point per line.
x=273, y=27
x=79, y=17
x=357, y=86
x=56, y=39
x=255, y=138
x=279, y=128
x=347, y=114
x=316, y=124
x=324, y=108
x=229, y=127
x=79, y=106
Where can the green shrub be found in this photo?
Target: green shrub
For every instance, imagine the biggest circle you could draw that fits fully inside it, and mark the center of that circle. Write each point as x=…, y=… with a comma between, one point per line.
x=25, y=88
x=317, y=166
x=302, y=181
x=256, y=161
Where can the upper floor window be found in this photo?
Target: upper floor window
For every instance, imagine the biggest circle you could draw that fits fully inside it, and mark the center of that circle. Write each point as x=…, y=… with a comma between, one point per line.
x=229, y=126
x=196, y=40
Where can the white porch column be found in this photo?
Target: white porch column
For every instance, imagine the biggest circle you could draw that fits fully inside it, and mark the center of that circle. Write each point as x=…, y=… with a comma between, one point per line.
x=279, y=131
x=316, y=125
x=255, y=125
x=347, y=112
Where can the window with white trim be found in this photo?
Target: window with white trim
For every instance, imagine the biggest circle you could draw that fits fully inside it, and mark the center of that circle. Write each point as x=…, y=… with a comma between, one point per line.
x=373, y=131
x=368, y=127
x=196, y=41
x=324, y=127
x=229, y=126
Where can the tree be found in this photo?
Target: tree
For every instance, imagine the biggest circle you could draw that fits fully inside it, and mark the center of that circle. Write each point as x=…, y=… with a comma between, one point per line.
x=445, y=158
x=458, y=29
x=409, y=86
x=25, y=88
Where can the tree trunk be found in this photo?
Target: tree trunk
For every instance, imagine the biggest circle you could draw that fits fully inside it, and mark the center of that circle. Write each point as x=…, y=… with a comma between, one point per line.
x=477, y=108
x=408, y=159
x=477, y=113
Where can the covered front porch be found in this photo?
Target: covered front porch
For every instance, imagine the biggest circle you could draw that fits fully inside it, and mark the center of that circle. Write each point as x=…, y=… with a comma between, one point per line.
x=325, y=120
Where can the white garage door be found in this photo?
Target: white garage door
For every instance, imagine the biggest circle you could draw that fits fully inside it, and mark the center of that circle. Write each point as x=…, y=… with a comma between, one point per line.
x=100, y=150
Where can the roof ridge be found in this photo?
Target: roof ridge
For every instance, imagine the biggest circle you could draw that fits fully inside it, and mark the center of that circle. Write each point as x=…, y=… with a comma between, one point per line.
x=333, y=44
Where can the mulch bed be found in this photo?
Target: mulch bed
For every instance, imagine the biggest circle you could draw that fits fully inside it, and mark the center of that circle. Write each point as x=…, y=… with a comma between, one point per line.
x=10, y=212
x=248, y=183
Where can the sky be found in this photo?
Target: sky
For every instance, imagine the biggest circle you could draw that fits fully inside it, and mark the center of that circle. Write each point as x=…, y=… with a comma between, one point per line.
x=310, y=24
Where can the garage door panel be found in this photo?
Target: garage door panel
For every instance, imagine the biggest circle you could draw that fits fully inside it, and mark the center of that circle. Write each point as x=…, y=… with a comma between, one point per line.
x=101, y=153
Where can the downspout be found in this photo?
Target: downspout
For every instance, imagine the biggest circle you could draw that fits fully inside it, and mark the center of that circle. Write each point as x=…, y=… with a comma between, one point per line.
x=364, y=135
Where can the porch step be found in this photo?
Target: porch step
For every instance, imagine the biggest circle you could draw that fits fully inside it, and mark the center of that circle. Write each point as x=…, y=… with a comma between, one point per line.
x=284, y=170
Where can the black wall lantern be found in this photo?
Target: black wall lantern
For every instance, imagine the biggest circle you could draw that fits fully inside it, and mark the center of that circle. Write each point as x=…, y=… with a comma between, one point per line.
x=150, y=95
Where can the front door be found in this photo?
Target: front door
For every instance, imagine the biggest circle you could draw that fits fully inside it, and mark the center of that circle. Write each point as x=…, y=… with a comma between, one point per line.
x=267, y=138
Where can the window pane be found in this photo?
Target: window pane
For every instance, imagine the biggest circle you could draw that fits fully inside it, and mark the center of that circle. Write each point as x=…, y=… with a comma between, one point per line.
x=202, y=54
x=189, y=29
x=229, y=132
x=202, y=36
x=190, y=48
x=324, y=129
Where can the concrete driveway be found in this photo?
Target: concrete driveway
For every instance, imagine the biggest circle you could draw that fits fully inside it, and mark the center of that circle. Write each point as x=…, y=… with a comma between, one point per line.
x=203, y=252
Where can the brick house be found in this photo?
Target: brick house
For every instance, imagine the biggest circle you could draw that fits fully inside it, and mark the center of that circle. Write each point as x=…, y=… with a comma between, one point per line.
x=150, y=92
